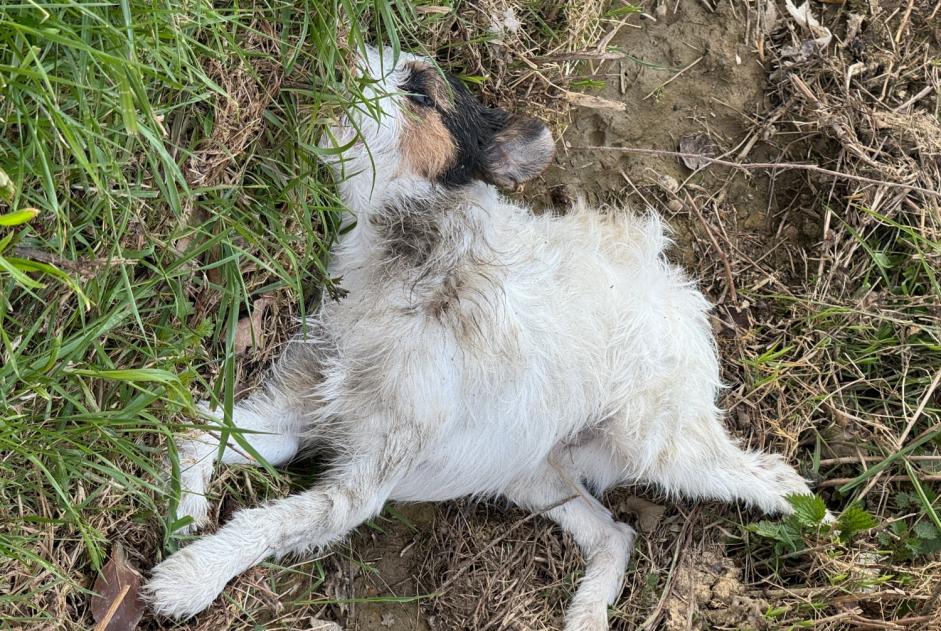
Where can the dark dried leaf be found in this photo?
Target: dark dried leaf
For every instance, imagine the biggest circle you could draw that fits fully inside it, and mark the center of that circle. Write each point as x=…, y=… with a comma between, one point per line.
x=117, y=605
x=700, y=148
x=249, y=331
x=648, y=515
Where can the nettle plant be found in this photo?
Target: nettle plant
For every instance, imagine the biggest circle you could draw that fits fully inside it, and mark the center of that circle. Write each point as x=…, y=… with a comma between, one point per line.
x=797, y=532
x=908, y=539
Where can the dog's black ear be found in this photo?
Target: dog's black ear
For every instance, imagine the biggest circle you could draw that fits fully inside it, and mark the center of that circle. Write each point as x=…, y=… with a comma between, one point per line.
x=519, y=152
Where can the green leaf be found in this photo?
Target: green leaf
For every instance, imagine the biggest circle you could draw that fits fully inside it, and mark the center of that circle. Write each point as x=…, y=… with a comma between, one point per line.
x=853, y=520
x=929, y=546
x=925, y=530
x=18, y=217
x=783, y=532
x=809, y=510
x=18, y=275
x=148, y=375
x=904, y=499
x=621, y=11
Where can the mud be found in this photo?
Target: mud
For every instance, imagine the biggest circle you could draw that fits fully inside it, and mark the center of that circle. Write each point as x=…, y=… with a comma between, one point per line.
x=707, y=593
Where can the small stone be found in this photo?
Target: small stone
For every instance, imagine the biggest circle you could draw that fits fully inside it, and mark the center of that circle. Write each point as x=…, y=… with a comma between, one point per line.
x=668, y=183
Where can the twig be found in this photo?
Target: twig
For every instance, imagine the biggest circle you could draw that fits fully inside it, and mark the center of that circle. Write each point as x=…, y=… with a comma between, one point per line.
x=82, y=267
x=670, y=80
x=908, y=429
x=936, y=592
x=585, y=55
x=729, y=277
x=924, y=92
x=920, y=408
x=834, y=618
x=900, y=623
x=894, y=478
x=682, y=543
x=106, y=620
x=831, y=594
x=762, y=165
x=859, y=459
x=904, y=22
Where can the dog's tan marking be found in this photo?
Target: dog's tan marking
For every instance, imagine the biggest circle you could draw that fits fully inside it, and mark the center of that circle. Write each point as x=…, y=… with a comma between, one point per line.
x=427, y=145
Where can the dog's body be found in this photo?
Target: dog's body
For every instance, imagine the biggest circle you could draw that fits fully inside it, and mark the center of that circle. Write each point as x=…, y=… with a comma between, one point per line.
x=481, y=350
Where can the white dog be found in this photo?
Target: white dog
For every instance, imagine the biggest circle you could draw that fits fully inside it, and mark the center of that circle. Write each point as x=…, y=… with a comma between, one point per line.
x=481, y=350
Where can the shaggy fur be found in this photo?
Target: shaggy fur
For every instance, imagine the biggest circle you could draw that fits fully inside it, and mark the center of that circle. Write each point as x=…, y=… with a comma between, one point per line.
x=481, y=350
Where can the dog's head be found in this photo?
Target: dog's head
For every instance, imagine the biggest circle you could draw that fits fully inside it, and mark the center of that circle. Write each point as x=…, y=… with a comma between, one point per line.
x=422, y=130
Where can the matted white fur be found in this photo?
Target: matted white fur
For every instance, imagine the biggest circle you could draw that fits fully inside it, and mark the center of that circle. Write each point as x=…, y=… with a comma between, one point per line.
x=481, y=350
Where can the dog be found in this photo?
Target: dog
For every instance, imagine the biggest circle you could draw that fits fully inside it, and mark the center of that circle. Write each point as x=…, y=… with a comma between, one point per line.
x=481, y=350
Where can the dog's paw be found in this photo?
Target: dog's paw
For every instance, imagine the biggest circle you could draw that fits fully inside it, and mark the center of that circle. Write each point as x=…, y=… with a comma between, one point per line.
x=183, y=585
x=195, y=506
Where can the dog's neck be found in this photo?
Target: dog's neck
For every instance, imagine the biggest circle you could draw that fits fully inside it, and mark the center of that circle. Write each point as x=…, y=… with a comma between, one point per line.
x=412, y=226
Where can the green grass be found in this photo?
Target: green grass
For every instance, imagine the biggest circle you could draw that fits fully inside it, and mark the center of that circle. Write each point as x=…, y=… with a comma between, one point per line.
x=851, y=365
x=120, y=293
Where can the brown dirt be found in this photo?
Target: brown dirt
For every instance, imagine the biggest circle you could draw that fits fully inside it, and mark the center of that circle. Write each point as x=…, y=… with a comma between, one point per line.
x=707, y=593
x=714, y=98
x=389, y=562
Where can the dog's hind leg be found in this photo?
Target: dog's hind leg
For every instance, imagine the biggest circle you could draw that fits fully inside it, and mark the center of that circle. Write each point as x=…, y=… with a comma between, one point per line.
x=605, y=543
x=703, y=462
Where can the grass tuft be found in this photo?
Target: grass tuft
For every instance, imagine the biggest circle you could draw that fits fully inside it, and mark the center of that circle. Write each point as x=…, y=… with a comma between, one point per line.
x=158, y=173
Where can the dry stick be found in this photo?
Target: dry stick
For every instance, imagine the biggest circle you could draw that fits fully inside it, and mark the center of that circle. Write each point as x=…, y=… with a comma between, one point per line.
x=865, y=624
x=831, y=594
x=921, y=408
x=82, y=267
x=106, y=620
x=670, y=80
x=762, y=165
x=466, y=565
x=915, y=98
x=894, y=478
x=843, y=615
x=936, y=592
x=860, y=459
x=730, y=279
x=682, y=543
x=904, y=23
